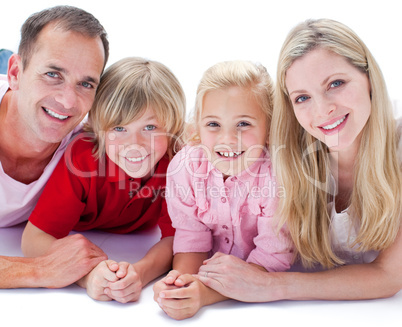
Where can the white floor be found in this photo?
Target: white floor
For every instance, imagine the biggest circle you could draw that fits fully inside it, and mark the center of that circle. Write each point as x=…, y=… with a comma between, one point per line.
x=72, y=307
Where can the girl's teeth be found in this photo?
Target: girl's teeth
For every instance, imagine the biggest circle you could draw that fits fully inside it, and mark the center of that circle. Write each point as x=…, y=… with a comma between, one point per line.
x=230, y=154
x=337, y=123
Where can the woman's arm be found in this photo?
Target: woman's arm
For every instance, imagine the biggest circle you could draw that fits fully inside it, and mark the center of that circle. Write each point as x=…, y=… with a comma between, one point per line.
x=236, y=279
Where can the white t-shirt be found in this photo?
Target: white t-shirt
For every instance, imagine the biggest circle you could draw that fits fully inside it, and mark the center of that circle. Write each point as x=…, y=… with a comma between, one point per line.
x=343, y=232
x=17, y=200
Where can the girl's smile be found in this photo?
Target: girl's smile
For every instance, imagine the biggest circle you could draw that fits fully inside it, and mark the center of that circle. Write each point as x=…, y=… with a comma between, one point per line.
x=233, y=129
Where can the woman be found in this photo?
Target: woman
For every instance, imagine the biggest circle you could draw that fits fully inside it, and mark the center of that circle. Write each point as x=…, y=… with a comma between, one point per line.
x=336, y=146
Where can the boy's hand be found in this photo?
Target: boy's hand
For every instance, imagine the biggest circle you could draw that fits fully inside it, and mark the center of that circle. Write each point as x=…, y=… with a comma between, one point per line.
x=99, y=278
x=127, y=287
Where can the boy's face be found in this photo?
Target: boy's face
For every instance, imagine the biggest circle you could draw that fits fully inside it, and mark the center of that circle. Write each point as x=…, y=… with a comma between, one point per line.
x=137, y=147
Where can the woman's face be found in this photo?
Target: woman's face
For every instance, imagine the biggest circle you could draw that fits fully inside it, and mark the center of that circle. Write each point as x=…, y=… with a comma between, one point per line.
x=330, y=98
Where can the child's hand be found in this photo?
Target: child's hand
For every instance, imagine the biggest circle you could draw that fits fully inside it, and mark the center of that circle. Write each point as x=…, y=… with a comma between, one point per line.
x=166, y=283
x=185, y=299
x=99, y=278
x=127, y=287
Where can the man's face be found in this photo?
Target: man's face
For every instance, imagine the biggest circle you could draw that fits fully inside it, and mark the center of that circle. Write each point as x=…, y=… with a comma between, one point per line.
x=57, y=88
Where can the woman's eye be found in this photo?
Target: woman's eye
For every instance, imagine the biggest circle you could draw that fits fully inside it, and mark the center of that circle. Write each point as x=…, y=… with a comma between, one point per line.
x=150, y=127
x=301, y=98
x=119, y=129
x=336, y=83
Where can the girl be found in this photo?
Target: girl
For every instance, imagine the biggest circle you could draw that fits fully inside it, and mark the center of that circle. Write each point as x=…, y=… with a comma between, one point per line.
x=112, y=177
x=221, y=191
x=340, y=171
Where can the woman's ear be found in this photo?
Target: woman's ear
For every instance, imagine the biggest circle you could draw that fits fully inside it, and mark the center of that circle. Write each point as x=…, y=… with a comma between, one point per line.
x=14, y=69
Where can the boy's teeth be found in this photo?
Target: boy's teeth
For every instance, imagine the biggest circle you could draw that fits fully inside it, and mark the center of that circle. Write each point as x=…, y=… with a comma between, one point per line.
x=136, y=159
x=230, y=154
x=55, y=115
x=334, y=124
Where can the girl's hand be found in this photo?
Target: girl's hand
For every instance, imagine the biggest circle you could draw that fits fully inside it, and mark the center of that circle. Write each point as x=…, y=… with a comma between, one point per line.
x=99, y=278
x=185, y=301
x=127, y=287
x=166, y=283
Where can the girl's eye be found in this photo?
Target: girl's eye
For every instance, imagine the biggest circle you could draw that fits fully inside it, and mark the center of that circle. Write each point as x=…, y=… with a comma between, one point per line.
x=301, y=98
x=212, y=124
x=243, y=124
x=119, y=129
x=150, y=127
x=336, y=84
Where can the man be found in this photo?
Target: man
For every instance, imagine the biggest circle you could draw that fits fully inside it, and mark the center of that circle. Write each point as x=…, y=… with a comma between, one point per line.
x=51, y=86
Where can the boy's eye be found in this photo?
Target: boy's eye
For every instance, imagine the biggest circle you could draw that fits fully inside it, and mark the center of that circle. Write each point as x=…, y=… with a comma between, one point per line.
x=119, y=129
x=150, y=127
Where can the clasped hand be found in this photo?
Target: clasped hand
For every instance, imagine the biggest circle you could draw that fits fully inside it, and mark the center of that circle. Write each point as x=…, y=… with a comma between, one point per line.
x=110, y=280
x=179, y=295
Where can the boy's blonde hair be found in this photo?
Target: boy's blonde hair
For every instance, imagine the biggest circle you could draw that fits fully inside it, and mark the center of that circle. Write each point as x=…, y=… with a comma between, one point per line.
x=127, y=89
x=251, y=76
x=303, y=162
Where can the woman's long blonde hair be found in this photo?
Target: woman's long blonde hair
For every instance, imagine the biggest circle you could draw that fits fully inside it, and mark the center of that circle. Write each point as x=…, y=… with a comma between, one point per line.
x=302, y=161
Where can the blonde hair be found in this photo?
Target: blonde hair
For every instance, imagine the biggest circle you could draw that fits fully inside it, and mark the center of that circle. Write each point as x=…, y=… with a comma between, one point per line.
x=127, y=89
x=303, y=162
x=252, y=76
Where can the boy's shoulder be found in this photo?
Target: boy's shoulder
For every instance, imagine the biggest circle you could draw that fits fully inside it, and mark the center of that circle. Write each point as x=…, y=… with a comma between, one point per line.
x=81, y=149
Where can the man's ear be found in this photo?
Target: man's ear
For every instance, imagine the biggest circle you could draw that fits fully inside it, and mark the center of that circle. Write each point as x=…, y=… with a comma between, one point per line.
x=14, y=70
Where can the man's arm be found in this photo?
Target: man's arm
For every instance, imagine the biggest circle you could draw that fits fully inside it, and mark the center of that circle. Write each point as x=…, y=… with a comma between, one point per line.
x=66, y=261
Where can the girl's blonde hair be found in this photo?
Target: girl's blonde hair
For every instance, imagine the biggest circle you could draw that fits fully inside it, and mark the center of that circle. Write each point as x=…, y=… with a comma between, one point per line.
x=252, y=76
x=127, y=89
x=303, y=161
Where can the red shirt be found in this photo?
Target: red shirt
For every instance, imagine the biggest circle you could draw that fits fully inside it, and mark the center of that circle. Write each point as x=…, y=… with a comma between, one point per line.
x=84, y=193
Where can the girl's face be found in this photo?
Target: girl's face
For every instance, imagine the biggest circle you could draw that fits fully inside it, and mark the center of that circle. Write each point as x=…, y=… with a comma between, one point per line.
x=330, y=97
x=233, y=129
x=137, y=147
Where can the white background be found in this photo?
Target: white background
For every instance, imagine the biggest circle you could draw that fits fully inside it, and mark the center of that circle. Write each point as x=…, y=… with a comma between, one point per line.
x=189, y=36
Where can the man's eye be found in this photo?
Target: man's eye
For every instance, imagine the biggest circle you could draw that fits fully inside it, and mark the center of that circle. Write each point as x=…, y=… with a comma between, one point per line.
x=52, y=74
x=87, y=85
